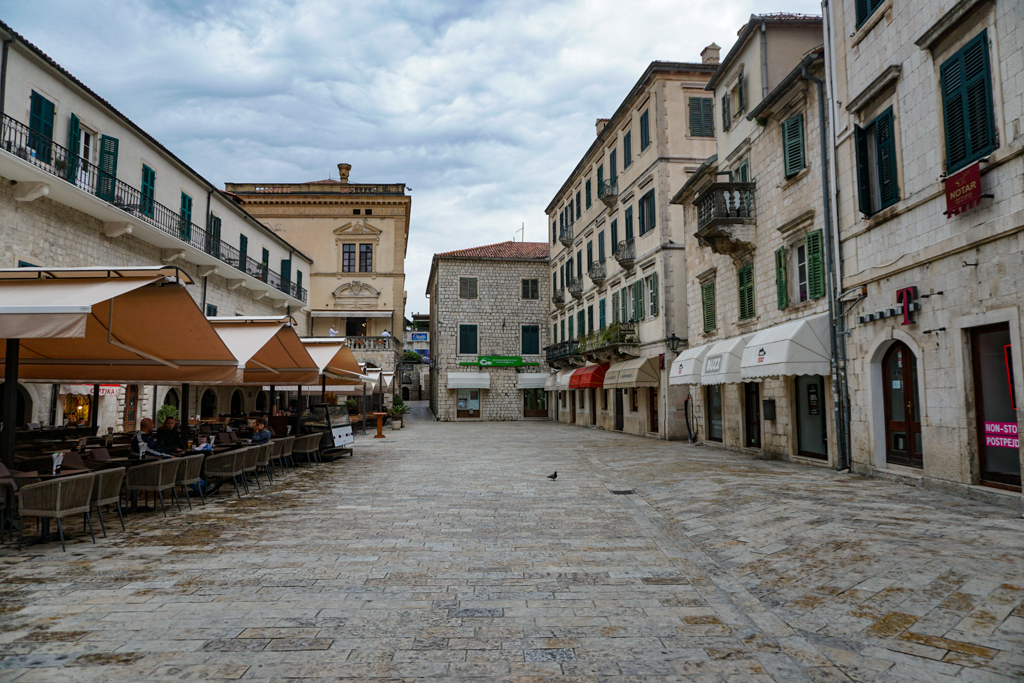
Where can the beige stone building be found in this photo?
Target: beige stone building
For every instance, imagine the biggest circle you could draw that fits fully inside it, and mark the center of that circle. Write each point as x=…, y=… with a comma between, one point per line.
x=358, y=234
x=82, y=185
x=759, y=358
x=928, y=111
x=488, y=329
x=617, y=260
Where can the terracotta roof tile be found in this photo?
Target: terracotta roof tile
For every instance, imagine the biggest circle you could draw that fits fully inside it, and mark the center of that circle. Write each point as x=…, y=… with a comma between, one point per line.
x=502, y=250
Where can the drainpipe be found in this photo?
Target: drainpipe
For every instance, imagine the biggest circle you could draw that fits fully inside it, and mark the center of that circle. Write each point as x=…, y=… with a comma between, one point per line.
x=842, y=462
x=3, y=74
x=764, y=61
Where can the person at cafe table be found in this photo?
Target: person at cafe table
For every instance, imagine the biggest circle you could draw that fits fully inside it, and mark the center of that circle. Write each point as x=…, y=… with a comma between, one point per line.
x=168, y=437
x=260, y=433
x=144, y=437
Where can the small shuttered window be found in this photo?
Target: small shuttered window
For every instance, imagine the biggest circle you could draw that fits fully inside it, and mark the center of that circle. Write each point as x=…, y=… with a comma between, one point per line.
x=652, y=294
x=781, y=287
x=601, y=314
x=467, y=339
x=531, y=340
x=467, y=287
x=645, y=207
x=865, y=8
x=815, y=265
x=746, y=292
x=148, y=190
x=967, y=104
x=615, y=308
x=645, y=130
x=877, y=186
x=702, y=117
x=707, y=301
x=531, y=288
x=107, y=181
x=793, y=145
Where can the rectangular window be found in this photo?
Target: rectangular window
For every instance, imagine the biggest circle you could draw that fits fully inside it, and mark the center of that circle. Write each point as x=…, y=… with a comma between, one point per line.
x=365, y=258
x=579, y=265
x=148, y=190
x=590, y=255
x=645, y=130
x=554, y=231
x=105, y=184
x=211, y=311
x=600, y=246
x=624, y=305
x=877, y=185
x=531, y=288
x=554, y=333
x=348, y=258
x=601, y=320
x=967, y=104
x=561, y=275
x=726, y=112
x=298, y=283
x=615, y=308
x=615, y=235
x=467, y=288
x=579, y=211
x=865, y=8
x=793, y=145
x=629, y=223
x=645, y=208
x=627, y=149
x=702, y=117
x=746, y=292
x=815, y=265
x=600, y=179
x=264, y=265
x=802, y=290
x=185, y=218
x=286, y=271
x=590, y=319
x=589, y=200
x=652, y=294
x=612, y=173
x=639, y=310
x=213, y=236
x=531, y=340
x=467, y=340
x=243, y=253
x=571, y=335
x=781, y=288
x=40, y=124
x=707, y=302
x=563, y=329
x=581, y=321
x=743, y=171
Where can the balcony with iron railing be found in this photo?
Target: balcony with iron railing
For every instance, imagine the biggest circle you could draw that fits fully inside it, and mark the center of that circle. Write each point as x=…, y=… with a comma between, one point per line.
x=565, y=236
x=726, y=217
x=558, y=297
x=615, y=342
x=43, y=153
x=560, y=351
x=575, y=287
x=625, y=254
x=608, y=191
x=597, y=272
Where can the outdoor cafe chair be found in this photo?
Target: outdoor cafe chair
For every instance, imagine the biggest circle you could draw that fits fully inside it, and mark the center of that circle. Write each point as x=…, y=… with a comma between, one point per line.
x=251, y=456
x=155, y=477
x=226, y=465
x=190, y=469
x=286, y=450
x=56, y=498
x=276, y=454
x=106, y=490
x=223, y=437
x=308, y=446
x=263, y=460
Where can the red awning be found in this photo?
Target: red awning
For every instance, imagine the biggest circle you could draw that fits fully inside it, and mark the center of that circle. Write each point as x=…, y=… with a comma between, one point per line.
x=590, y=377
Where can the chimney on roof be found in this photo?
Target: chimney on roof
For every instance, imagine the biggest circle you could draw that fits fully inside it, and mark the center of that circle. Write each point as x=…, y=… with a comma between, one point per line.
x=601, y=123
x=709, y=55
x=343, y=171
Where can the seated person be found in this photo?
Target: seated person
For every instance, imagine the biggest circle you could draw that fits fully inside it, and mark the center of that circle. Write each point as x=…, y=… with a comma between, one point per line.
x=144, y=437
x=168, y=437
x=260, y=433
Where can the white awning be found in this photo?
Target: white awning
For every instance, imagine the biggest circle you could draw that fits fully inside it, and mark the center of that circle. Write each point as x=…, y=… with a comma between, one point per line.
x=469, y=380
x=562, y=379
x=332, y=313
x=799, y=347
x=551, y=383
x=687, y=366
x=637, y=372
x=531, y=380
x=722, y=361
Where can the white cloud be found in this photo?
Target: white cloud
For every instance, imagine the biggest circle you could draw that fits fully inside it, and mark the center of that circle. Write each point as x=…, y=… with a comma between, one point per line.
x=483, y=108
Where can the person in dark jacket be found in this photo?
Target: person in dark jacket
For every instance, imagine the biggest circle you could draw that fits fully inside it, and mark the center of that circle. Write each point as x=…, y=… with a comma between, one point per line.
x=260, y=434
x=168, y=437
x=144, y=437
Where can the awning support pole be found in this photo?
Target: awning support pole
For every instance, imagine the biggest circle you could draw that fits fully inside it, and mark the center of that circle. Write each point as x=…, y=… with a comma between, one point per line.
x=94, y=417
x=364, y=408
x=323, y=388
x=298, y=409
x=10, y=416
x=183, y=413
x=273, y=401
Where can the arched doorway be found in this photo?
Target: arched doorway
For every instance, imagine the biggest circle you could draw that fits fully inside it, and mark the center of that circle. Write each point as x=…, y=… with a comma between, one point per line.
x=903, y=444
x=24, y=406
x=171, y=399
x=261, y=402
x=208, y=406
x=405, y=393
x=237, y=403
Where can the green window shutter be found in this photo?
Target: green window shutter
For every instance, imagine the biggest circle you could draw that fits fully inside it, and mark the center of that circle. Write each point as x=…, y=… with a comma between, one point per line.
x=185, y=218
x=638, y=300
x=298, y=283
x=600, y=177
x=530, y=340
x=615, y=236
x=571, y=323
x=243, y=252
x=708, y=116
x=696, y=120
x=780, y=277
x=615, y=308
x=654, y=294
x=624, y=305
x=590, y=319
x=861, y=7
x=40, y=124
x=589, y=201
x=645, y=129
x=107, y=182
x=746, y=292
x=967, y=104
x=793, y=144
x=581, y=322
x=863, y=170
x=627, y=149
x=815, y=265
x=739, y=93
x=726, y=114
x=601, y=314
x=563, y=330
x=265, y=264
x=148, y=190
x=74, y=140
x=707, y=296
x=215, y=223
x=286, y=270
x=888, y=188
x=629, y=222
x=743, y=172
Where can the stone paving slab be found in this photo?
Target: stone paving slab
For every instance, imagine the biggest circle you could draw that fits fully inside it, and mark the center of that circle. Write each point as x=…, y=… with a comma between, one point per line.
x=443, y=553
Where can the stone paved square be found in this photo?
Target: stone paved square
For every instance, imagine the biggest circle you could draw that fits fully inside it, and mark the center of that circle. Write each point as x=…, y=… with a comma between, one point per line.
x=444, y=553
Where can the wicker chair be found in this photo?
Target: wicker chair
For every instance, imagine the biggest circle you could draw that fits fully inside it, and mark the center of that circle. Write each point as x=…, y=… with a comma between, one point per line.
x=251, y=455
x=56, y=499
x=274, y=458
x=286, y=451
x=308, y=446
x=190, y=471
x=156, y=477
x=263, y=459
x=226, y=465
x=106, y=490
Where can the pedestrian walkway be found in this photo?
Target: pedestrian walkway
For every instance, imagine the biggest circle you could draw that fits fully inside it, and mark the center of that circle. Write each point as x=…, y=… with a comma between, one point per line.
x=443, y=552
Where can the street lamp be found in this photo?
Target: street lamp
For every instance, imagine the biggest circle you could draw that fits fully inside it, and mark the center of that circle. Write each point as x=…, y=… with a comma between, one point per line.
x=673, y=342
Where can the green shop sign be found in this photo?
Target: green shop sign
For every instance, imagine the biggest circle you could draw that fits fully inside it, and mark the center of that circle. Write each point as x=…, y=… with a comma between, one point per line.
x=498, y=362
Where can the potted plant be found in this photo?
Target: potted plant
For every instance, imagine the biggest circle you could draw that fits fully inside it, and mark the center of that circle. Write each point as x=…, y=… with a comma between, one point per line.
x=397, y=412
x=351, y=405
x=166, y=411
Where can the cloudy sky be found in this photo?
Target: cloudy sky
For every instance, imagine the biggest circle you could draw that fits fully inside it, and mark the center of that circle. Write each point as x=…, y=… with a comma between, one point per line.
x=482, y=108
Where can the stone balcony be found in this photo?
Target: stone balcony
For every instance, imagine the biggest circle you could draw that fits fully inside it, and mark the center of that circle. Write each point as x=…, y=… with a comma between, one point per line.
x=565, y=236
x=625, y=254
x=575, y=287
x=608, y=191
x=726, y=217
x=558, y=298
x=597, y=273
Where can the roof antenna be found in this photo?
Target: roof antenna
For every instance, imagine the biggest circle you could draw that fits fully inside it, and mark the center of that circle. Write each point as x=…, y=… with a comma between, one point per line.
x=522, y=234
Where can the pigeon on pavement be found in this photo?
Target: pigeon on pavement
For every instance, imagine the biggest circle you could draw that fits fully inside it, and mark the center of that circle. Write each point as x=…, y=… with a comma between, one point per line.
x=553, y=476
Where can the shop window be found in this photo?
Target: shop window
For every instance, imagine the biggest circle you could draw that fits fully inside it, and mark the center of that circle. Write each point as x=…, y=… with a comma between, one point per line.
x=713, y=409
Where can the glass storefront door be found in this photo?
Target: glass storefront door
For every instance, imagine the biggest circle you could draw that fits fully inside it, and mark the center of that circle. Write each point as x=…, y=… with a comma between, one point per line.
x=996, y=406
x=714, y=412
x=752, y=414
x=902, y=412
x=535, y=403
x=812, y=440
x=468, y=403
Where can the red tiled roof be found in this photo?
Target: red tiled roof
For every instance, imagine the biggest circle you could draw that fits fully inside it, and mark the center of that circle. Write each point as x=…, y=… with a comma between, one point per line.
x=327, y=181
x=502, y=250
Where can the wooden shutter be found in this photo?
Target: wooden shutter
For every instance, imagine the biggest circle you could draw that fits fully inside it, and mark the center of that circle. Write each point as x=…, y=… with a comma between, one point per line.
x=40, y=123
x=624, y=305
x=645, y=129
x=298, y=284
x=600, y=178
x=793, y=144
x=862, y=11
x=888, y=189
x=967, y=104
x=286, y=270
x=463, y=338
x=531, y=340
x=214, y=236
x=615, y=308
x=707, y=296
x=243, y=252
x=726, y=115
x=696, y=116
x=148, y=190
x=589, y=200
x=743, y=172
x=185, y=218
x=467, y=288
x=863, y=171
x=638, y=297
x=615, y=236
x=571, y=323
x=601, y=313
x=612, y=172
x=746, y=292
x=708, y=116
x=739, y=93
x=74, y=141
x=108, y=168
x=654, y=294
x=629, y=223
x=815, y=265
x=781, y=285
x=581, y=321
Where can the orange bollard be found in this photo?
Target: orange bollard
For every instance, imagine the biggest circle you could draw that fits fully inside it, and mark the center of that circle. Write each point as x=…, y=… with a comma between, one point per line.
x=380, y=425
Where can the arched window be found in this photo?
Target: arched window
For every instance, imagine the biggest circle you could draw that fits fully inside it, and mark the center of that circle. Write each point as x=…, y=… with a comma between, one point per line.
x=171, y=399
x=208, y=406
x=237, y=403
x=24, y=409
x=261, y=402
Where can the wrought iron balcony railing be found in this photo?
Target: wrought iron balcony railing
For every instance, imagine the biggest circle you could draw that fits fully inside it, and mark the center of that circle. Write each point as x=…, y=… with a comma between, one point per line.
x=560, y=350
x=725, y=204
x=626, y=254
x=558, y=298
x=597, y=273
x=43, y=153
x=614, y=335
x=575, y=287
x=608, y=191
x=565, y=236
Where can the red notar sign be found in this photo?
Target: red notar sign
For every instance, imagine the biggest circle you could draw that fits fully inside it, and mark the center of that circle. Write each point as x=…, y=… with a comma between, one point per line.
x=963, y=190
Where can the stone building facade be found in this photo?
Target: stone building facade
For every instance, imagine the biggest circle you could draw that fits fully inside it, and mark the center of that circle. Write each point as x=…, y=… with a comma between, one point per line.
x=928, y=107
x=617, y=265
x=488, y=313
x=82, y=185
x=755, y=254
